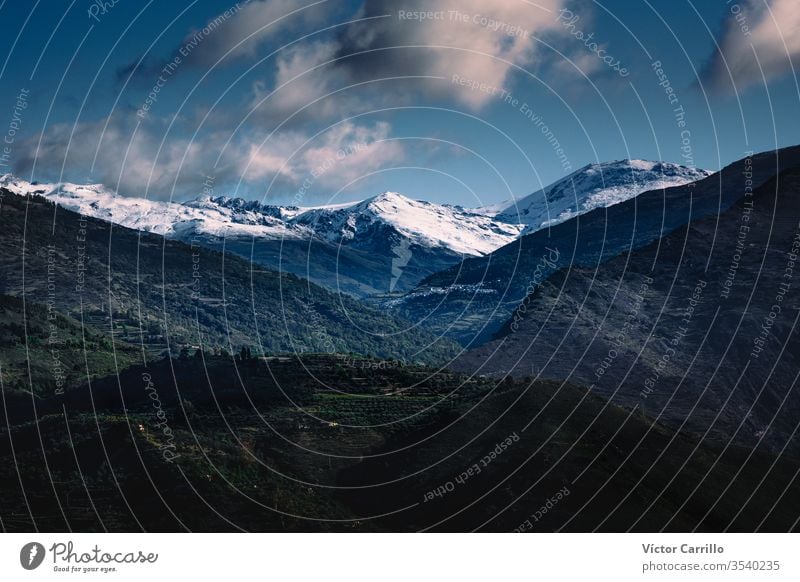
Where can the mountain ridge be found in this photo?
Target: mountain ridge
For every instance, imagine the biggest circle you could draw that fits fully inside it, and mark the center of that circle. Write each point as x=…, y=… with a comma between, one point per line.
x=473, y=300
x=697, y=328
x=134, y=285
x=600, y=185
x=385, y=243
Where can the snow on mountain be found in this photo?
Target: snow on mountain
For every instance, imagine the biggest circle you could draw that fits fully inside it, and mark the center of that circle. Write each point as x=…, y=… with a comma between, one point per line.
x=422, y=223
x=595, y=186
x=169, y=219
x=372, y=223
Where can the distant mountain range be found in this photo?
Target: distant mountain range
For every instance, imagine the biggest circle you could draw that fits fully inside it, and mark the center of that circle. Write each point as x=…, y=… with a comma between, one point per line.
x=385, y=244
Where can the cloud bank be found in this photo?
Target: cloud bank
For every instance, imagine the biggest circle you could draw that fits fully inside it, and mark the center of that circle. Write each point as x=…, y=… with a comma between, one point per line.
x=441, y=38
x=436, y=40
x=760, y=41
x=136, y=162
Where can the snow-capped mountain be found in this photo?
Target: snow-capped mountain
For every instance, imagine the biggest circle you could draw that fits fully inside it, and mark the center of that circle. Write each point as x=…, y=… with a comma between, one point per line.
x=471, y=232
x=595, y=186
x=422, y=223
x=204, y=216
x=385, y=243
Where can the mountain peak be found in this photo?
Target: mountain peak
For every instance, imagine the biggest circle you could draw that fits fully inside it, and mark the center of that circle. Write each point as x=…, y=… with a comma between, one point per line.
x=389, y=197
x=596, y=185
x=387, y=203
x=366, y=223
x=639, y=165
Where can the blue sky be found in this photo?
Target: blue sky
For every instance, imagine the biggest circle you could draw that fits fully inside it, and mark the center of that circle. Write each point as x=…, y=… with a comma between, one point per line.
x=331, y=101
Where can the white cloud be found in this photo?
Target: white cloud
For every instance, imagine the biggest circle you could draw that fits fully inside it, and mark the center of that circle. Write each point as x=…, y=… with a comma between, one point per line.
x=476, y=39
x=482, y=40
x=133, y=164
x=302, y=77
x=578, y=64
x=110, y=153
x=242, y=33
x=343, y=153
x=771, y=30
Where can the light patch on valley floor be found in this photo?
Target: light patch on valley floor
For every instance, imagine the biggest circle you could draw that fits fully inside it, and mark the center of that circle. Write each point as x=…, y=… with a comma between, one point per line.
x=402, y=255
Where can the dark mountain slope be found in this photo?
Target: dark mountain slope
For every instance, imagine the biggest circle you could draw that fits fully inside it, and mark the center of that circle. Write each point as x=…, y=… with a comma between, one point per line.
x=547, y=456
x=359, y=272
x=697, y=329
x=471, y=301
x=52, y=352
x=331, y=442
x=167, y=291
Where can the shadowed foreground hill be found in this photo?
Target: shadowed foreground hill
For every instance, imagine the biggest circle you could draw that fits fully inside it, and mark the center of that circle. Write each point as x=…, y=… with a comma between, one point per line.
x=327, y=443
